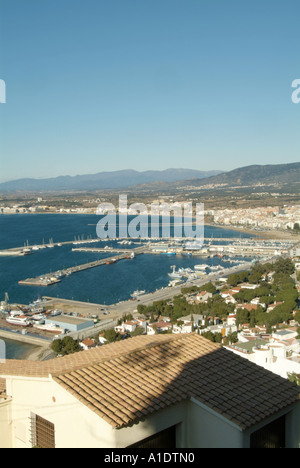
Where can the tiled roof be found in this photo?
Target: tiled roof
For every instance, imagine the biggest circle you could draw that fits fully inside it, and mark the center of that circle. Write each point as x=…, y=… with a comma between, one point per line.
x=126, y=381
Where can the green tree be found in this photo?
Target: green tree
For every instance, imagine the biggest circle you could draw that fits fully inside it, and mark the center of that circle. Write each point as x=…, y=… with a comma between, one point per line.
x=66, y=346
x=138, y=331
x=294, y=378
x=56, y=346
x=284, y=265
x=111, y=335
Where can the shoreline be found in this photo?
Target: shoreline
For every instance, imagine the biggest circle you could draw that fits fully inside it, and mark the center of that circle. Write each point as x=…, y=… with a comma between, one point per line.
x=273, y=234
x=38, y=345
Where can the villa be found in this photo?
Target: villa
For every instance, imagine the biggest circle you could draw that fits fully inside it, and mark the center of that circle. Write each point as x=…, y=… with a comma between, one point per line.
x=166, y=391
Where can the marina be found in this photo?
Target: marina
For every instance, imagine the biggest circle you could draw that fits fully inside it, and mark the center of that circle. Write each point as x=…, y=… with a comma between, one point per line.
x=28, y=249
x=226, y=249
x=25, y=323
x=150, y=270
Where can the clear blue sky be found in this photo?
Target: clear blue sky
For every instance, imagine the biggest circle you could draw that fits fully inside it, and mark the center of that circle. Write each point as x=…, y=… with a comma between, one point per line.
x=100, y=85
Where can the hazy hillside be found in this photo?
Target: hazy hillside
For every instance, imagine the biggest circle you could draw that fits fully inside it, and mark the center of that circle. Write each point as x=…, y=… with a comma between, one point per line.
x=102, y=180
x=253, y=175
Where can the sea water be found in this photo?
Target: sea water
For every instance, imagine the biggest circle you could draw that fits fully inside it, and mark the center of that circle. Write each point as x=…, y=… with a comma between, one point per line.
x=101, y=285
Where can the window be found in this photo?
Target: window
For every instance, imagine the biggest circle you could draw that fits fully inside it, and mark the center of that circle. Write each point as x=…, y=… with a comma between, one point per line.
x=42, y=432
x=270, y=436
x=163, y=439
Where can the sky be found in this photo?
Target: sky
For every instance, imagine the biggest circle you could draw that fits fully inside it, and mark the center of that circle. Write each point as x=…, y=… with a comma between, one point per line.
x=105, y=85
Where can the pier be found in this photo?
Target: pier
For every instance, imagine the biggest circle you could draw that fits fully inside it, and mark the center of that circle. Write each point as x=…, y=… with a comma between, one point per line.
x=29, y=249
x=103, y=250
x=56, y=277
x=116, y=311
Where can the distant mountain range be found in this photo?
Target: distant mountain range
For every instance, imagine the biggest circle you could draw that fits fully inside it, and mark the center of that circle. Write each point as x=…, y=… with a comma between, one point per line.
x=250, y=176
x=102, y=180
x=253, y=175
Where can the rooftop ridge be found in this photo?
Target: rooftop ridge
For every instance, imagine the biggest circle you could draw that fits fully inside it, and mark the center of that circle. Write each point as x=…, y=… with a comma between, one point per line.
x=76, y=361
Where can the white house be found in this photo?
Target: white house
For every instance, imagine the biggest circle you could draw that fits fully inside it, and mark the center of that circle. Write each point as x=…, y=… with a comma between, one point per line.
x=230, y=300
x=102, y=340
x=88, y=343
x=271, y=356
x=129, y=326
x=224, y=329
x=231, y=319
x=164, y=391
x=203, y=296
x=155, y=327
x=196, y=319
x=249, y=286
x=295, y=250
x=229, y=294
x=186, y=327
x=285, y=334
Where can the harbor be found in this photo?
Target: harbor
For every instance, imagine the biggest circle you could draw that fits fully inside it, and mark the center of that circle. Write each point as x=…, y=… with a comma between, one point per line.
x=48, y=318
x=226, y=248
x=49, y=279
x=131, y=272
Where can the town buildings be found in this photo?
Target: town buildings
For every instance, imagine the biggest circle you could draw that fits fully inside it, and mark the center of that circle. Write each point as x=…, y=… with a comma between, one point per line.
x=263, y=218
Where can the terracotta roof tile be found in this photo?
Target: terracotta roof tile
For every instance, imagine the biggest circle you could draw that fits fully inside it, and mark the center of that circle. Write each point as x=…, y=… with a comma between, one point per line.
x=126, y=381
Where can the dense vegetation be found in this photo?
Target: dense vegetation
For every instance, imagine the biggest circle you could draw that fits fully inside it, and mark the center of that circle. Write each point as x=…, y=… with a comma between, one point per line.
x=275, y=285
x=281, y=291
x=64, y=346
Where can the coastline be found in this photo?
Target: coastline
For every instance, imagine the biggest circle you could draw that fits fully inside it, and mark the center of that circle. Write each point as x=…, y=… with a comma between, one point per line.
x=270, y=234
x=38, y=346
x=276, y=235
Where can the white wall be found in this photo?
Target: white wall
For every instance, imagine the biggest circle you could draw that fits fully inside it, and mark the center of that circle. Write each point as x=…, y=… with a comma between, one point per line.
x=168, y=417
x=209, y=430
x=5, y=432
x=78, y=427
x=75, y=425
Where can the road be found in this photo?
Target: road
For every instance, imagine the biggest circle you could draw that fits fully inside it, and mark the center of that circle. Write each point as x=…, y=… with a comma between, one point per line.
x=116, y=311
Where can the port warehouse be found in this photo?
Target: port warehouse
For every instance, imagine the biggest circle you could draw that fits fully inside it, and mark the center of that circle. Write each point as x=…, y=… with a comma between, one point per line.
x=66, y=322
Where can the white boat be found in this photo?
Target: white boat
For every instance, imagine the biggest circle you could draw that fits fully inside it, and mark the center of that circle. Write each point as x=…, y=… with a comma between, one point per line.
x=174, y=283
x=38, y=319
x=37, y=306
x=175, y=274
x=201, y=273
x=192, y=276
x=21, y=320
x=201, y=267
x=27, y=251
x=55, y=312
x=138, y=293
x=51, y=327
x=185, y=270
